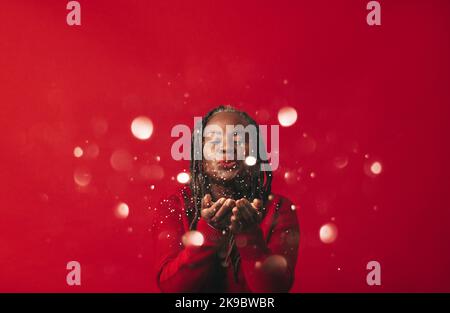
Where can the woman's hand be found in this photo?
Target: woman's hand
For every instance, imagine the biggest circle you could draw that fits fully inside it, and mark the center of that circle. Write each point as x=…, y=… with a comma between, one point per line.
x=217, y=213
x=245, y=215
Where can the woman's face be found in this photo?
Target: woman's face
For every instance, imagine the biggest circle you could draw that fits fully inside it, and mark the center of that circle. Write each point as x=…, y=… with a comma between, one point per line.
x=221, y=163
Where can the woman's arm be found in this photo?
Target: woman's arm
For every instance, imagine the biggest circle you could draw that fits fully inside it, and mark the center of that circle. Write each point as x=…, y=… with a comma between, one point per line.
x=270, y=267
x=180, y=268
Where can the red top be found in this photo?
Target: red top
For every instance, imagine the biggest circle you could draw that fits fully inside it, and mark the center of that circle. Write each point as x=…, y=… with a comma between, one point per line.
x=268, y=252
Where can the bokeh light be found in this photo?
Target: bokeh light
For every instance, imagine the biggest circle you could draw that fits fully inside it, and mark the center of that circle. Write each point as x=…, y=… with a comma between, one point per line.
x=82, y=176
x=291, y=177
x=287, y=116
x=183, y=178
x=122, y=210
x=121, y=160
x=376, y=168
x=193, y=238
x=142, y=127
x=99, y=126
x=77, y=152
x=92, y=151
x=340, y=162
x=151, y=172
x=373, y=167
x=274, y=264
x=250, y=160
x=328, y=233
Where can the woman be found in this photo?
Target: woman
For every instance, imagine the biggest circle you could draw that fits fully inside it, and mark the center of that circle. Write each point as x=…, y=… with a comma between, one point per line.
x=226, y=232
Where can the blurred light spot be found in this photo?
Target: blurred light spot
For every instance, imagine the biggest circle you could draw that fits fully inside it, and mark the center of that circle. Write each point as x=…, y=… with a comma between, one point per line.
x=287, y=116
x=122, y=210
x=142, y=127
x=152, y=187
x=376, y=168
x=82, y=177
x=99, y=126
x=121, y=160
x=340, y=162
x=193, y=238
x=328, y=233
x=183, y=178
x=355, y=147
x=293, y=207
x=158, y=158
x=285, y=81
x=331, y=137
x=306, y=145
x=92, y=151
x=78, y=152
x=312, y=175
x=250, y=160
x=43, y=197
x=186, y=95
x=290, y=177
x=274, y=263
x=151, y=172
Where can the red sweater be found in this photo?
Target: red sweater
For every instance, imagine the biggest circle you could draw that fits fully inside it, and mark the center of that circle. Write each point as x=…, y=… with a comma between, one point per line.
x=268, y=252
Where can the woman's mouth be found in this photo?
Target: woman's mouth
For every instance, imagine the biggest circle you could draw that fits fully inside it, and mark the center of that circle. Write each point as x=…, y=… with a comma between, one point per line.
x=227, y=164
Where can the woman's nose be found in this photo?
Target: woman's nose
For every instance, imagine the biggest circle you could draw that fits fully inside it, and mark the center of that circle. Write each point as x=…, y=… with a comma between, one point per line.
x=228, y=150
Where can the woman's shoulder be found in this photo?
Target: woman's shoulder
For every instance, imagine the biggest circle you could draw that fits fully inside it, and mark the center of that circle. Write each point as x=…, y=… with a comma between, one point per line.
x=281, y=211
x=175, y=209
x=180, y=199
x=280, y=202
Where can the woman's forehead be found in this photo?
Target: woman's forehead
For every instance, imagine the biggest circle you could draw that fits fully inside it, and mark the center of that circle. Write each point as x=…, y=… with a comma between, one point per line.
x=222, y=119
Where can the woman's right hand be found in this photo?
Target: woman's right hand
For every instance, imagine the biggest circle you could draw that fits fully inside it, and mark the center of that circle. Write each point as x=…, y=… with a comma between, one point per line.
x=217, y=213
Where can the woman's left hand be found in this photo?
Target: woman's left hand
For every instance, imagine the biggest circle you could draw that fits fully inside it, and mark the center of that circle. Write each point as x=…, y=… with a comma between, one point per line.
x=245, y=215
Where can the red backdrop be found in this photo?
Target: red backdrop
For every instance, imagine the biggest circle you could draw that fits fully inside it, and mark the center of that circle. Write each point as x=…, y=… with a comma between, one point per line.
x=362, y=94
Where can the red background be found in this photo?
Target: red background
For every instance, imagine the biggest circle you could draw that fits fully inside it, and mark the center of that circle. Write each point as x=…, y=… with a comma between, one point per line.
x=381, y=91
